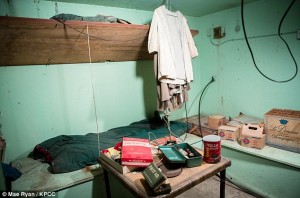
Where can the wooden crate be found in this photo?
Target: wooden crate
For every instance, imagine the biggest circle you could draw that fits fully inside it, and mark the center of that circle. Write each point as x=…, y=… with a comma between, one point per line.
x=283, y=129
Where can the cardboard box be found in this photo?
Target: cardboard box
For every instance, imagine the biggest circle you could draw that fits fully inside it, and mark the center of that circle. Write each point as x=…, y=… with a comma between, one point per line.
x=252, y=136
x=136, y=152
x=117, y=166
x=228, y=132
x=112, y=153
x=253, y=142
x=283, y=129
x=215, y=121
x=236, y=124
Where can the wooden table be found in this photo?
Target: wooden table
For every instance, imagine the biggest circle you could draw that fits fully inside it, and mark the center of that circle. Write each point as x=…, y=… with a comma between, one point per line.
x=189, y=178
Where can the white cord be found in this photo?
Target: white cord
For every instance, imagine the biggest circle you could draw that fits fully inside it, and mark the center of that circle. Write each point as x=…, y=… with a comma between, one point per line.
x=56, y=8
x=94, y=100
x=155, y=138
x=169, y=127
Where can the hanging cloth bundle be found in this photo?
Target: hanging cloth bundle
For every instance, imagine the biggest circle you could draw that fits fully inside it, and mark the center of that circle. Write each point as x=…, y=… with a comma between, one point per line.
x=170, y=37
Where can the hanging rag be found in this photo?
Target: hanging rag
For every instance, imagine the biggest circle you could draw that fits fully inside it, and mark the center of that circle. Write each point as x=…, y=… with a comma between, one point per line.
x=171, y=40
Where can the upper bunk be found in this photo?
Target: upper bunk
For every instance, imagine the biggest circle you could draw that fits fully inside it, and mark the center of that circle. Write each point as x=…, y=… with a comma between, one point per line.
x=31, y=41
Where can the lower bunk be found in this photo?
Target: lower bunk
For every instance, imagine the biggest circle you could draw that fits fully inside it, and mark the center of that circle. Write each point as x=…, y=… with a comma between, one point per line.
x=61, y=163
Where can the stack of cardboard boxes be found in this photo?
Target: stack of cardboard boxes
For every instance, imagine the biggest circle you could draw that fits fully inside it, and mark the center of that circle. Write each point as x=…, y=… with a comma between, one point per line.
x=280, y=128
x=247, y=130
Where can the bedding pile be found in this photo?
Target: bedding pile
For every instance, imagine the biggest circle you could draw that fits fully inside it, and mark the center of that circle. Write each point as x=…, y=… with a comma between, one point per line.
x=97, y=18
x=67, y=153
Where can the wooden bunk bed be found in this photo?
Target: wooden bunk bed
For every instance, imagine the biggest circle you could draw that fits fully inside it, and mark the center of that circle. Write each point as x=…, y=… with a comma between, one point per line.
x=30, y=41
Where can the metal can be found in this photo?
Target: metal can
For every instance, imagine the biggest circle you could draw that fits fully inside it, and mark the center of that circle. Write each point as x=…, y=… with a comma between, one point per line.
x=212, y=149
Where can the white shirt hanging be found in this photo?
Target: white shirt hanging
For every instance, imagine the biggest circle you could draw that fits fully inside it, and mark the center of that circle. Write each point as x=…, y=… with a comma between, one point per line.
x=171, y=38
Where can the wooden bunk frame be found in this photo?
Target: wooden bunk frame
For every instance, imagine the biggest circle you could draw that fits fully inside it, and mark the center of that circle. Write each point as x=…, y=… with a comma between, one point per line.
x=29, y=41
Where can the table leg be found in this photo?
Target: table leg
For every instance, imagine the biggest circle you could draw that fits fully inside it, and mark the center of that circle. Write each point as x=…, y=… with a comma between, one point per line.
x=222, y=183
x=107, y=186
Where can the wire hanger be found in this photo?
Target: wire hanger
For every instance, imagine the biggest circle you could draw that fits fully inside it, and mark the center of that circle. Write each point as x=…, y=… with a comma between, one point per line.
x=169, y=5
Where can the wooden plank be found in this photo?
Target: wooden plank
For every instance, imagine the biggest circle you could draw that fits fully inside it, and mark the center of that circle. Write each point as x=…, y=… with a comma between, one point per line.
x=27, y=41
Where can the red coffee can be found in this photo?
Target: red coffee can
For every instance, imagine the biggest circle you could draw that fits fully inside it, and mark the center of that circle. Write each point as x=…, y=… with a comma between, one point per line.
x=212, y=149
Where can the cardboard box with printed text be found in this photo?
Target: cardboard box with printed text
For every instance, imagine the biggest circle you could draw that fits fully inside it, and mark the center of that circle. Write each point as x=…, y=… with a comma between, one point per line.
x=283, y=129
x=252, y=136
x=228, y=132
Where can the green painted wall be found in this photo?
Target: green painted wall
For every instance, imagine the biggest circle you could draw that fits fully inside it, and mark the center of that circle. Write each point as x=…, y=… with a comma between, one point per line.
x=40, y=102
x=240, y=87
x=263, y=177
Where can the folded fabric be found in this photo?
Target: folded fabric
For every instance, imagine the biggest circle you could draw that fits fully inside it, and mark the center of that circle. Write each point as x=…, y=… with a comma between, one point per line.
x=66, y=153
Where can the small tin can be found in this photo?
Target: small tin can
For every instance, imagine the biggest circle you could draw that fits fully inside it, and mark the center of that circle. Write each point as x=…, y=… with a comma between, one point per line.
x=212, y=149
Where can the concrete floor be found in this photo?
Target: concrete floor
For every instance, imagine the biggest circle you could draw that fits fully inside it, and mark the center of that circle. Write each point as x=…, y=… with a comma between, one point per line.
x=210, y=188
